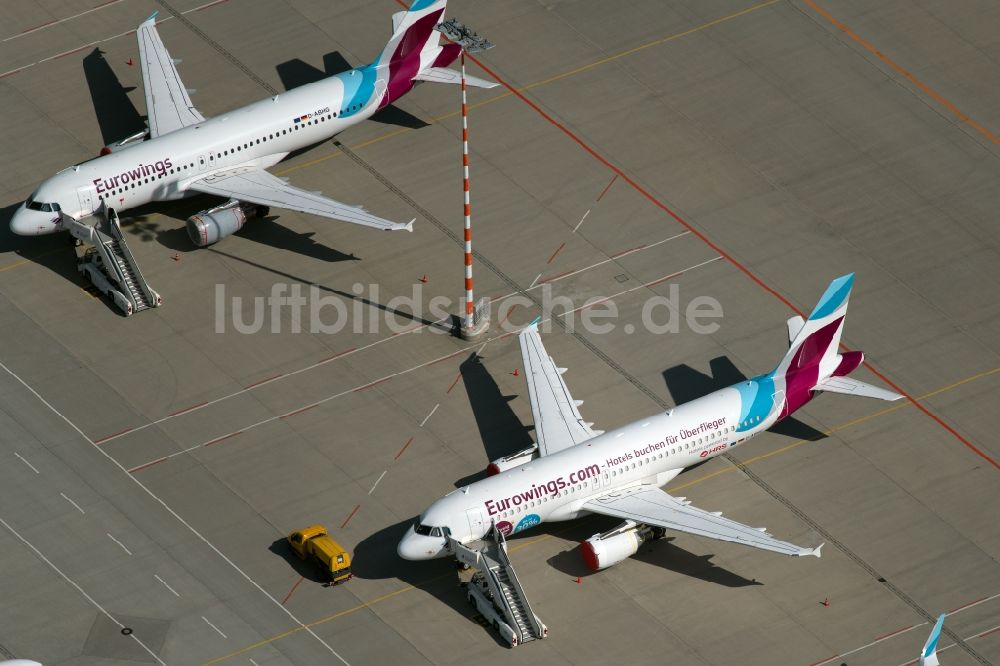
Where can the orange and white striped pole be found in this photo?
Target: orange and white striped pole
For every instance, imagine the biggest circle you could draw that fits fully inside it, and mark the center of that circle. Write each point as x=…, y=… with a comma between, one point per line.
x=470, y=303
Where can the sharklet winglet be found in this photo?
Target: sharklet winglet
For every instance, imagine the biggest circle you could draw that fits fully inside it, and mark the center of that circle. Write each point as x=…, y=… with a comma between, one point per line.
x=152, y=17
x=534, y=322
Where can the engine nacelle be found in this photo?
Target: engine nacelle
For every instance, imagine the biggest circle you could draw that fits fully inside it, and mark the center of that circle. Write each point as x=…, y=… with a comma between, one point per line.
x=512, y=461
x=127, y=142
x=211, y=226
x=602, y=550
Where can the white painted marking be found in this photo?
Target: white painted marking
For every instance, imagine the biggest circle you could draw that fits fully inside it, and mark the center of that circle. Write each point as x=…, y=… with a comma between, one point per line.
x=27, y=463
x=253, y=662
x=165, y=585
x=119, y=543
x=78, y=588
x=101, y=41
x=213, y=626
x=173, y=513
x=62, y=20
x=534, y=281
x=406, y=371
x=426, y=418
x=352, y=352
x=376, y=482
x=73, y=503
x=581, y=220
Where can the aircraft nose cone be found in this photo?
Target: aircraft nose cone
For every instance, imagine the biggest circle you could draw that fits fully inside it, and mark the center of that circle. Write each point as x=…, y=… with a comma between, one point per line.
x=409, y=548
x=26, y=222
x=19, y=223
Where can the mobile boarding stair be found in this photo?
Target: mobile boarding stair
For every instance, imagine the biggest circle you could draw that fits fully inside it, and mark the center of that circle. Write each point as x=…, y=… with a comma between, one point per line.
x=110, y=266
x=496, y=591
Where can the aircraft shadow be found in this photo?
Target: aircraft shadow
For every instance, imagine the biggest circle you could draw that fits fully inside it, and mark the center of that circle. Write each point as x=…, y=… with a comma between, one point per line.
x=52, y=251
x=685, y=384
x=375, y=558
x=116, y=114
x=308, y=569
x=295, y=73
x=661, y=553
x=499, y=427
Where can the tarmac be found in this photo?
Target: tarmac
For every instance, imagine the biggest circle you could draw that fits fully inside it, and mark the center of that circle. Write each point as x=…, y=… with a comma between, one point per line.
x=730, y=150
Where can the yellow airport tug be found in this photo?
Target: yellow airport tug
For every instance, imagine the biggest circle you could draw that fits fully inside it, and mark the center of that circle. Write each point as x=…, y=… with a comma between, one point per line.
x=314, y=542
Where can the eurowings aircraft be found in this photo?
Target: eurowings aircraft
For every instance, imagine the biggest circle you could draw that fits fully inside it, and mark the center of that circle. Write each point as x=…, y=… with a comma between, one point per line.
x=574, y=470
x=184, y=153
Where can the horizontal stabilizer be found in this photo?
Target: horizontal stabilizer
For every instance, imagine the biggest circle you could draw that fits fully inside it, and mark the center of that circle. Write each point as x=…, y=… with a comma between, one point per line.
x=850, y=386
x=445, y=75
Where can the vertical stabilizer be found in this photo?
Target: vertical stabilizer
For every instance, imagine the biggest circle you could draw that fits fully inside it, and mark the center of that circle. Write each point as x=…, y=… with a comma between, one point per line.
x=928, y=656
x=817, y=340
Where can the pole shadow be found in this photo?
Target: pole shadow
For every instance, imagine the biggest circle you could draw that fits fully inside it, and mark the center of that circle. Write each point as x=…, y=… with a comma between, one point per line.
x=686, y=384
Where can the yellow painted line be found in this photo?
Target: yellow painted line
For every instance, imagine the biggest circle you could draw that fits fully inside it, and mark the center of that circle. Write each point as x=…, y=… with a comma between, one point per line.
x=31, y=259
x=524, y=544
x=551, y=79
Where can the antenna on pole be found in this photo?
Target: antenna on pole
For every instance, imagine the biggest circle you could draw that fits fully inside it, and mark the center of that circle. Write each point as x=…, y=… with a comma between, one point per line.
x=476, y=318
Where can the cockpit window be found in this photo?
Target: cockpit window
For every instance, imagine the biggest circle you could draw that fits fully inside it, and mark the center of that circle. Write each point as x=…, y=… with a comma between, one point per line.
x=31, y=204
x=422, y=530
x=435, y=531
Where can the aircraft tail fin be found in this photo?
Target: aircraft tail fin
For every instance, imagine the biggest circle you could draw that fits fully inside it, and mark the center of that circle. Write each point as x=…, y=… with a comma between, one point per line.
x=816, y=340
x=414, y=44
x=928, y=655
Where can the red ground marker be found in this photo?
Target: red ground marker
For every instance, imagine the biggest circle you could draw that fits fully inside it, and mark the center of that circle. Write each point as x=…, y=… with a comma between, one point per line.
x=348, y=519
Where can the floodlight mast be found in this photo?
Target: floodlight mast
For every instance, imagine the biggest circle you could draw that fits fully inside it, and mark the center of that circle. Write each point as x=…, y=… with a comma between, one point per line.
x=477, y=315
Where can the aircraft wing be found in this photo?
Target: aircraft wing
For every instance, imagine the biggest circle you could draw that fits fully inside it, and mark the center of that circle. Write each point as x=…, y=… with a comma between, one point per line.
x=256, y=186
x=168, y=106
x=558, y=424
x=652, y=506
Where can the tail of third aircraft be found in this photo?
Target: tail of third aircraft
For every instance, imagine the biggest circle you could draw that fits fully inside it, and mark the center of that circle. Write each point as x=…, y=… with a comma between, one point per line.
x=814, y=362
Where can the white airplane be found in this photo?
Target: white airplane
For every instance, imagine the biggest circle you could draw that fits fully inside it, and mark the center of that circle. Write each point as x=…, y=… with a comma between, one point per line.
x=185, y=154
x=574, y=470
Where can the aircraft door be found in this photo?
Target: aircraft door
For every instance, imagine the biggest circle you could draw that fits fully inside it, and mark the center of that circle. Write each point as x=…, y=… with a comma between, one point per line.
x=86, y=201
x=206, y=162
x=477, y=527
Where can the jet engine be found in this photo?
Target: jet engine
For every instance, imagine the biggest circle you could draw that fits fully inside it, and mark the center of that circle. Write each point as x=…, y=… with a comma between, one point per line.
x=127, y=142
x=211, y=226
x=602, y=550
x=512, y=461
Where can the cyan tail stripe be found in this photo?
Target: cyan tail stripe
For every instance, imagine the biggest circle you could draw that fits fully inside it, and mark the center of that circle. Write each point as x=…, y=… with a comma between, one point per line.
x=756, y=401
x=359, y=86
x=421, y=4
x=935, y=635
x=834, y=296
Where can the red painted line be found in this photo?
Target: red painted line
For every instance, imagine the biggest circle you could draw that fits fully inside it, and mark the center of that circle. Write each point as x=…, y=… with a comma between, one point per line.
x=113, y=435
x=39, y=26
x=264, y=381
x=63, y=55
x=554, y=277
x=558, y=249
x=965, y=605
x=375, y=383
x=634, y=249
x=607, y=187
x=330, y=358
x=353, y=511
x=988, y=632
x=292, y=591
x=408, y=442
x=187, y=409
x=457, y=377
x=149, y=464
x=725, y=255
x=223, y=438
x=299, y=411
x=893, y=633
x=211, y=4
x=823, y=661
x=445, y=358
